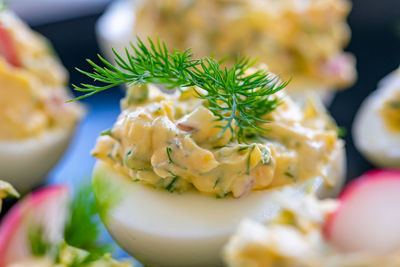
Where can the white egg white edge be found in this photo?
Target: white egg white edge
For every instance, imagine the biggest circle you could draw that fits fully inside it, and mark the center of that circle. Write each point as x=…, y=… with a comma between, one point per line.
x=188, y=229
x=115, y=28
x=25, y=163
x=370, y=134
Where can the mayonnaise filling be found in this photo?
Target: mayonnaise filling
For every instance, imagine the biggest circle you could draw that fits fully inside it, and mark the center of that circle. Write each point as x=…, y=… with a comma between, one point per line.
x=33, y=93
x=174, y=142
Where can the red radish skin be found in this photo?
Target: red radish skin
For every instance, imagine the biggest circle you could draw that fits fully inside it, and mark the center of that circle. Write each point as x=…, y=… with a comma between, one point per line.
x=368, y=216
x=13, y=232
x=7, y=47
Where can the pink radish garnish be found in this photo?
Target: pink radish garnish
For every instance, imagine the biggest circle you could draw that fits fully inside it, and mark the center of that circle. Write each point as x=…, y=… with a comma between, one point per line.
x=45, y=210
x=7, y=47
x=185, y=127
x=368, y=217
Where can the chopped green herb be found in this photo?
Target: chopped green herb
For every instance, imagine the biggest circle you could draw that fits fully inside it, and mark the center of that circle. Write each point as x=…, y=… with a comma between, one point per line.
x=106, y=132
x=243, y=148
x=170, y=161
x=217, y=182
x=249, y=159
x=126, y=158
x=136, y=180
x=218, y=196
x=169, y=151
x=291, y=176
x=170, y=187
x=342, y=131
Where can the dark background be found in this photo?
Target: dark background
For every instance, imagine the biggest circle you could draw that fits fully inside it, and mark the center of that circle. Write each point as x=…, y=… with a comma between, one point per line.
x=375, y=43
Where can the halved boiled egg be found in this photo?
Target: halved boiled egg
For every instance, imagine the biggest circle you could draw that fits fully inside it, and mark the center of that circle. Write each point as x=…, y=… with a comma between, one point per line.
x=189, y=229
x=36, y=125
x=43, y=211
x=376, y=129
x=47, y=229
x=172, y=187
x=25, y=163
x=360, y=228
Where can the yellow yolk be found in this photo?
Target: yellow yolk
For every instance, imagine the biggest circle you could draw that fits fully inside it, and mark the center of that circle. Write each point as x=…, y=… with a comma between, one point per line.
x=390, y=113
x=173, y=142
x=6, y=190
x=21, y=112
x=34, y=52
x=295, y=238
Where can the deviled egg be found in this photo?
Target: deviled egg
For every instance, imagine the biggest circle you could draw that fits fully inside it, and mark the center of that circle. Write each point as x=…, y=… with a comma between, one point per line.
x=360, y=228
x=298, y=39
x=376, y=129
x=46, y=230
x=172, y=190
x=178, y=171
x=36, y=124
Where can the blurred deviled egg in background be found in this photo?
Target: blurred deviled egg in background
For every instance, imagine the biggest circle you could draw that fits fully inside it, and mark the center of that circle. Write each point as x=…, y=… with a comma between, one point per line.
x=298, y=39
x=48, y=229
x=376, y=129
x=360, y=228
x=177, y=172
x=36, y=125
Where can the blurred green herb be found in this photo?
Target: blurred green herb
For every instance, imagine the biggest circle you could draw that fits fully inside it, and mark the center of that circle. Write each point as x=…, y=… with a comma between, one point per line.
x=83, y=229
x=106, y=132
x=342, y=131
x=38, y=243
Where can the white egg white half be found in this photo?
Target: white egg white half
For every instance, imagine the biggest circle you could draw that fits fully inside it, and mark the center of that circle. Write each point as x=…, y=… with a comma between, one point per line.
x=25, y=163
x=188, y=229
x=370, y=134
x=114, y=29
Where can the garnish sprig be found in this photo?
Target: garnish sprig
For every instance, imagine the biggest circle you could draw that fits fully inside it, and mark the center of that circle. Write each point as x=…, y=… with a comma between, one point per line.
x=238, y=98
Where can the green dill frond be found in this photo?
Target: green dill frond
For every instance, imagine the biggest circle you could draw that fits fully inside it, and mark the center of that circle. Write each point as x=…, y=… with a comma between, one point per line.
x=238, y=98
x=38, y=244
x=83, y=229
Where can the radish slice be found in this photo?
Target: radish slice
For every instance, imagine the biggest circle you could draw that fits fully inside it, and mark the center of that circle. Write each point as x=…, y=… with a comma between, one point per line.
x=7, y=48
x=45, y=209
x=368, y=217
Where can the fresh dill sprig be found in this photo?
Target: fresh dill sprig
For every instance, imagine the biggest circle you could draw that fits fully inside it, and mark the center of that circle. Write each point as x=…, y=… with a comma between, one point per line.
x=83, y=228
x=238, y=98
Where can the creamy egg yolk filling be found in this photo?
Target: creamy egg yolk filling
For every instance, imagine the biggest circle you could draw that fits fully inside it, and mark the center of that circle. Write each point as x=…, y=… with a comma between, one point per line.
x=295, y=238
x=6, y=190
x=299, y=38
x=174, y=142
x=390, y=112
x=33, y=94
x=69, y=256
